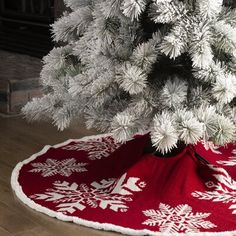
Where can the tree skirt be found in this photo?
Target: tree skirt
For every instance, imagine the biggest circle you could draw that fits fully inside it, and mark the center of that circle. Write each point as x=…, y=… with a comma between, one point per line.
x=103, y=184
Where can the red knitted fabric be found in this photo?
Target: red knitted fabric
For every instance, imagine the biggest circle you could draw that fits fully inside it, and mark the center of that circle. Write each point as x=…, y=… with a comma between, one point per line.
x=106, y=185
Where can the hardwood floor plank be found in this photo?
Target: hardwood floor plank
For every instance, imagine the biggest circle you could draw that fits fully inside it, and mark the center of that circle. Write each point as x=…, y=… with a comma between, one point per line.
x=13, y=222
x=35, y=232
x=3, y=232
x=5, y=171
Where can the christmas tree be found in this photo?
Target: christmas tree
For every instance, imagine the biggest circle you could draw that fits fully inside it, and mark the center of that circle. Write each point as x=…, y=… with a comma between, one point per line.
x=167, y=67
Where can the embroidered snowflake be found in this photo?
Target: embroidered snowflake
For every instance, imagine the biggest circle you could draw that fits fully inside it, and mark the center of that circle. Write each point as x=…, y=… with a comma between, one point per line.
x=52, y=167
x=223, y=191
x=178, y=219
x=231, y=161
x=211, y=146
x=112, y=194
x=95, y=148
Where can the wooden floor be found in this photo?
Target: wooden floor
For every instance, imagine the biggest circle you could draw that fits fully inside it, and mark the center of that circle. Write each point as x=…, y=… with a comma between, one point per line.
x=19, y=140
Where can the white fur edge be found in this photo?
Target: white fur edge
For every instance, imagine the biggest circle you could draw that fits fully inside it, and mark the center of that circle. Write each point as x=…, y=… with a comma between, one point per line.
x=96, y=225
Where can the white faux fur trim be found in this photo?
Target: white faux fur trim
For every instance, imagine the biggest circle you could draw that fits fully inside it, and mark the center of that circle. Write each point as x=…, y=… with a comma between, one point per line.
x=96, y=225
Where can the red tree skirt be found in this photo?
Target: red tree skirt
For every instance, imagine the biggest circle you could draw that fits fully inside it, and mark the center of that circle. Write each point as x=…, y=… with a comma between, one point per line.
x=102, y=184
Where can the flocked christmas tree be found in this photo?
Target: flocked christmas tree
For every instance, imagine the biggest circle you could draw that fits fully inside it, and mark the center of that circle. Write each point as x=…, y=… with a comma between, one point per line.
x=167, y=67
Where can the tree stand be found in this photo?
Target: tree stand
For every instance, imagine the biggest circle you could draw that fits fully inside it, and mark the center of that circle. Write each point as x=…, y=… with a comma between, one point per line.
x=150, y=149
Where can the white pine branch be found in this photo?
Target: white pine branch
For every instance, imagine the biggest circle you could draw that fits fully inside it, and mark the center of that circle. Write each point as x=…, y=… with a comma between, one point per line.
x=133, y=79
x=163, y=133
x=226, y=38
x=209, y=8
x=208, y=117
x=174, y=92
x=166, y=11
x=226, y=131
x=76, y=4
x=144, y=56
x=123, y=127
x=189, y=128
x=71, y=26
x=175, y=43
x=133, y=8
x=200, y=47
x=224, y=89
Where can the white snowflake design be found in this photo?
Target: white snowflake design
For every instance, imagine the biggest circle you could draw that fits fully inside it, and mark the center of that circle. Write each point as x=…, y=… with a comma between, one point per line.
x=112, y=194
x=223, y=191
x=177, y=220
x=95, y=148
x=231, y=161
x=52, y=167
x=211, y=146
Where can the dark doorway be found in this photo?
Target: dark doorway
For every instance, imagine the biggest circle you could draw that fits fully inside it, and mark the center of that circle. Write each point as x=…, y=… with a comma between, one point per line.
x=25, y=26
